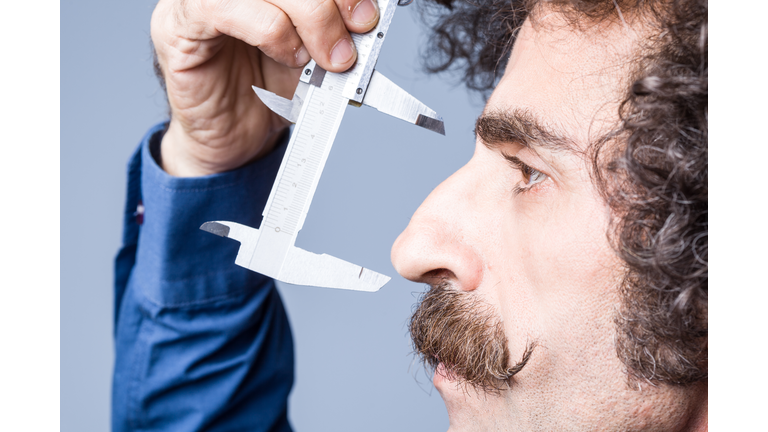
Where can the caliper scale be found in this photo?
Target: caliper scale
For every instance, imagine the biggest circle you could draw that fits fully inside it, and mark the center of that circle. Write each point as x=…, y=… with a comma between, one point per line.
x=317, y=108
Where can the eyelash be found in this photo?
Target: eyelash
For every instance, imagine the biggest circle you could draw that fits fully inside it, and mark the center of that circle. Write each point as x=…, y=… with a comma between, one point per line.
x=529, y=174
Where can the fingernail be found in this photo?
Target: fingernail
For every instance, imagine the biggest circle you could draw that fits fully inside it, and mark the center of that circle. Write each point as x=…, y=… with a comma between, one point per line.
x=365, y=12
x=343, y=51
x=302, y=57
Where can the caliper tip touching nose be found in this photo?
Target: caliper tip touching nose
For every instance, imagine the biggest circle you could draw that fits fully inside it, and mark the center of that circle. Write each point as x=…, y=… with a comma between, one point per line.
x=299, y=267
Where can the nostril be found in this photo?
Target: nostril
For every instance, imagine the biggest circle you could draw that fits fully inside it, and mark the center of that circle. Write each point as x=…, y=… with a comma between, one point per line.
x=434, y=277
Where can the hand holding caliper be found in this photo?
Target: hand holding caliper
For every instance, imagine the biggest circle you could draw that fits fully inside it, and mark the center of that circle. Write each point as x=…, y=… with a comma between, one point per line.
x=211, y=52
x=317, y=107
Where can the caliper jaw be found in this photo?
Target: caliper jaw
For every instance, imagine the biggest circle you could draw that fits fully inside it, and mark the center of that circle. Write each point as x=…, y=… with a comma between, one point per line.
x=382, y=94
x=300, y=267
x=287, y=109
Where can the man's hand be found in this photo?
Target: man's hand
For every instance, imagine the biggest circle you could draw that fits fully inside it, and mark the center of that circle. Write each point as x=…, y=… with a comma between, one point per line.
x=212, y=51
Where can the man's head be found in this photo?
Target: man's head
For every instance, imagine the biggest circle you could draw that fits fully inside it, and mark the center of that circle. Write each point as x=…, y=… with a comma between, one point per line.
x=568, y=258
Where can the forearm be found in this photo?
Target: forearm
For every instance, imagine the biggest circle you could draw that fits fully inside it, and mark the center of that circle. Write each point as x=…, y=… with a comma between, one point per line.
x=200, y=342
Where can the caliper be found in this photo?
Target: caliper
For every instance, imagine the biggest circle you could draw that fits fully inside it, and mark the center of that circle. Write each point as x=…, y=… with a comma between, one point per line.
x=317, y=108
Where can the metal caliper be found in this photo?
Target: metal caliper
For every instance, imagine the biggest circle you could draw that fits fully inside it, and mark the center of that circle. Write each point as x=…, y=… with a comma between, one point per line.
x=317, y=108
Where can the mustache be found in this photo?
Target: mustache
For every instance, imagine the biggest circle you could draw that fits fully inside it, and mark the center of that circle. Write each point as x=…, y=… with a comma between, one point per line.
x=457, y=329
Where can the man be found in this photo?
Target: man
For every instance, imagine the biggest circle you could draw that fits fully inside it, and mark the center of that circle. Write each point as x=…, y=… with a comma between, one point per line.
x=577, y=231
x=567, y=260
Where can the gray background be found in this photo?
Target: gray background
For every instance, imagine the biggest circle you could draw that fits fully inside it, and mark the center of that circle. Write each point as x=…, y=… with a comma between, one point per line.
x=354, y=367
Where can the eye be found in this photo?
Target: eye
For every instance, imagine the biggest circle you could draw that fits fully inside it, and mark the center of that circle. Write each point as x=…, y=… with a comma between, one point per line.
x=531, y=176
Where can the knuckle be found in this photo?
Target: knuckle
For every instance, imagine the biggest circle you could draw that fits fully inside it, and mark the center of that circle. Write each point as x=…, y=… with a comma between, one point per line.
x=209, y=8
x=276, y=29
x=219, y=13
x=322, y=12
x=214, y=7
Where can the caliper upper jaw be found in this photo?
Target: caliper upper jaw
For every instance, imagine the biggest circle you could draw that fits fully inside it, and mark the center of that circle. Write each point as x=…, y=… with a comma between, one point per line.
x=389, y=98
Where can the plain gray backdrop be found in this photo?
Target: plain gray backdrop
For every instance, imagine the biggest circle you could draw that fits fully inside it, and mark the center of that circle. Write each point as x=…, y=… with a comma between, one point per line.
x=354, y=366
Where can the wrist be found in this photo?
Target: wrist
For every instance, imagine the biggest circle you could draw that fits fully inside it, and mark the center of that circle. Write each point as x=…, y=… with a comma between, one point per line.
x=177, y=157
x=181, y=155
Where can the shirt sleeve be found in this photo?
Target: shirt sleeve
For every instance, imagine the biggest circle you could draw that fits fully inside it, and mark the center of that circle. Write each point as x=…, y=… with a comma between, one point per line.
x=201, y=344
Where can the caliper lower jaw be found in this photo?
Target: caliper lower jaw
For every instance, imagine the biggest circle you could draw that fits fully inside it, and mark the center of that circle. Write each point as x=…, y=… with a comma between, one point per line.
x=299, y=267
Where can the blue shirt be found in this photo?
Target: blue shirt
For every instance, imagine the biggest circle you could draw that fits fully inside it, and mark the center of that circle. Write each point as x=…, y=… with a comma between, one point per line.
x=201, y=344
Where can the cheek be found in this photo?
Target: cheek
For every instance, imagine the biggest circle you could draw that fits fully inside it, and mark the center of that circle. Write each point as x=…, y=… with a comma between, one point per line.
x=559, y=289
x=560, y=276
x=561, y=245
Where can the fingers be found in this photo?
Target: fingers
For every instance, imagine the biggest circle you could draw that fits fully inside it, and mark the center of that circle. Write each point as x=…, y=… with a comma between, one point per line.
x=361, y=17
x=323, y=27
x=289, y=31
x=265, y=26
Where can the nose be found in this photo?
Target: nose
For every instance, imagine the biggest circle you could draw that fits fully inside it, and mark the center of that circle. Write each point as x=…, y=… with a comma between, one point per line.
x=439, y=242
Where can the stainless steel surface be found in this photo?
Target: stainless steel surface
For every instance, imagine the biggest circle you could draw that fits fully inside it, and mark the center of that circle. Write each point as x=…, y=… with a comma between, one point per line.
x=387, y=97
x=288, y=109
x=368, y=48
x=301, y=267
x=312, y=74
x=299, y=173
x=309, y=69
x=215, y=228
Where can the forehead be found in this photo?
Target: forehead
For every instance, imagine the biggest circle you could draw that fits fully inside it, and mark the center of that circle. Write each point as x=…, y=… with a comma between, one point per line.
x=573, y=79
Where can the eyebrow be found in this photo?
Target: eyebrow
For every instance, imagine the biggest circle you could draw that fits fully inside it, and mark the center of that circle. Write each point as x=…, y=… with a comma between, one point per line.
x=520, y=126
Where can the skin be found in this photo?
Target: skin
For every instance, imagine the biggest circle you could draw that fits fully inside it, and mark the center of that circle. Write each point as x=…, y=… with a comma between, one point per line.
x=541, y=258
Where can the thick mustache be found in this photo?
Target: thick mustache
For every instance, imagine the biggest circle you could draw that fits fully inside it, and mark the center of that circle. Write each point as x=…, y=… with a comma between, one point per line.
x=456, y=329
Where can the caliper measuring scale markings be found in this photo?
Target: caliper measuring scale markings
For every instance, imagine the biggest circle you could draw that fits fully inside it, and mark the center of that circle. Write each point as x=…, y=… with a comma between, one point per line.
x=317, y=109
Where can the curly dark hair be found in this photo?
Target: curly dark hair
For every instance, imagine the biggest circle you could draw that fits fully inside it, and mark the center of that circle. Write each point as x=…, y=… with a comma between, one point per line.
x=651, y=170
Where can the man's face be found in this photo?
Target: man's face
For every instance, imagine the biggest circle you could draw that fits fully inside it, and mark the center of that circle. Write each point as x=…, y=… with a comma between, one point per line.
x=522, y=229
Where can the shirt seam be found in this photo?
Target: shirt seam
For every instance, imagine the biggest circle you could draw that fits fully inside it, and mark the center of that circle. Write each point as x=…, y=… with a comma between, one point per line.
x=228, y=296
x=213, y=188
